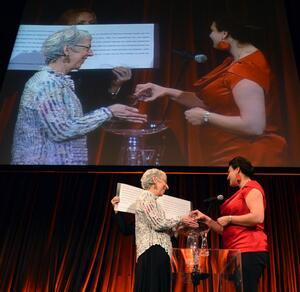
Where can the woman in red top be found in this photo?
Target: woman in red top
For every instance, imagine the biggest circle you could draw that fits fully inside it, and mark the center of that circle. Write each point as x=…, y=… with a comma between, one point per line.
x=242, y=222
x=231, y=103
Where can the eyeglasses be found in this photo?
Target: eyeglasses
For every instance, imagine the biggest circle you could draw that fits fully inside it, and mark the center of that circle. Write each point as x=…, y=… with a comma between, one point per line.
x=164, y=182
x=83, y=46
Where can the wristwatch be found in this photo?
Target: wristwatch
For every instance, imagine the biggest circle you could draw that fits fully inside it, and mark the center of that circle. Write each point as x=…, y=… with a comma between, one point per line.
x=115, y=92
x=206, y=117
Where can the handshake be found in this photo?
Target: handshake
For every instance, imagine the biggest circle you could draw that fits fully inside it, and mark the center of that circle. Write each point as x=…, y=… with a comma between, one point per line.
x=191, y=220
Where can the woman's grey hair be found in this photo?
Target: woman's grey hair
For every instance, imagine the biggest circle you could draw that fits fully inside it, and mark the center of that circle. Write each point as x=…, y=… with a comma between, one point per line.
x=147, y=178
x=53, y=47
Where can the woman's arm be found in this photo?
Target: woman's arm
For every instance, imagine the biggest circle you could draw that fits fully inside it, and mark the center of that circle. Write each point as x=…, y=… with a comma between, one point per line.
x=59, y=120
x=151, y=91
x=250, y=99
x=158, y=219
x=215, y=226
x=254, y=201
x=61, y=124
x=119, y=218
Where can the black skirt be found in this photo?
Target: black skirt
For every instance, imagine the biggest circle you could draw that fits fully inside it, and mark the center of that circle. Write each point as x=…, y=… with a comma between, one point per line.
x=153, y=271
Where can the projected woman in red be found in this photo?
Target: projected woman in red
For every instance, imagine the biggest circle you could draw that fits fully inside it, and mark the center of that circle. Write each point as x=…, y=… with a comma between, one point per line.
x=231, y=103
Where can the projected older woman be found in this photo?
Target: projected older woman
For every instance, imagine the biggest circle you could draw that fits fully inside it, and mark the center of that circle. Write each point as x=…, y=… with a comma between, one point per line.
x=51, y=127
x=152, y=232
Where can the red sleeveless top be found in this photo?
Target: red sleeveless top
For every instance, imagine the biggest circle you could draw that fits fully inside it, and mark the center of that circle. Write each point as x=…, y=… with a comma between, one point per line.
x=215, y=89
x=244, y=238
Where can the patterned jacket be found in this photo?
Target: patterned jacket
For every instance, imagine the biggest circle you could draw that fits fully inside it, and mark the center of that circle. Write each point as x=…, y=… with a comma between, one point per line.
x=51, y=127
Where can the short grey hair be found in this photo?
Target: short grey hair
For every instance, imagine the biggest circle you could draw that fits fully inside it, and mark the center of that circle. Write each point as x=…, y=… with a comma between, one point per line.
x=53, y=46
x=147, y=177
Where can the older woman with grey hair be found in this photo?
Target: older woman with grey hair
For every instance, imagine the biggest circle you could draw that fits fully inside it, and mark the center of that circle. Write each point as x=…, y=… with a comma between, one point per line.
x=51, y=127
x=152, y=232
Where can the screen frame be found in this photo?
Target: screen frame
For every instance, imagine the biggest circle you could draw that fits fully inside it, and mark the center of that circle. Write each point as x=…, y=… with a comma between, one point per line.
x=221, y=170
x=11, y=17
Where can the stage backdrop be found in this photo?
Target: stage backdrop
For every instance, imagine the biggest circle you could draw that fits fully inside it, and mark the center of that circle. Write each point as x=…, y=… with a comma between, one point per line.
x=58, y=233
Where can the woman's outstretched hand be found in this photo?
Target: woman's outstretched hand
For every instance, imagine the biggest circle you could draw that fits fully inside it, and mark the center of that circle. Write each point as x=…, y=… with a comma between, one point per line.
x=189, y=221
x=127, y=113
x=197, y=215
x=149, y=91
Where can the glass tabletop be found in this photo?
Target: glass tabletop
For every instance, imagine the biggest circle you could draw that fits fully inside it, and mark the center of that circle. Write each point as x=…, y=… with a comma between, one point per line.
x=134, y=129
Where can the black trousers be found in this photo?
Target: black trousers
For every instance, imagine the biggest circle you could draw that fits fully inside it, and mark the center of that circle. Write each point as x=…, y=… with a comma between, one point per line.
x=153, y=271
x=253, y=265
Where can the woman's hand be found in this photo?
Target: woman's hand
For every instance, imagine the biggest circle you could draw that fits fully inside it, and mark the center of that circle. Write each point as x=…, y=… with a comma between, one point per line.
x=197, y=215
x=128, y=113
x=115, y=201
x=207, y=220
x=149, y=91
x=122, y=75
x=189, y=221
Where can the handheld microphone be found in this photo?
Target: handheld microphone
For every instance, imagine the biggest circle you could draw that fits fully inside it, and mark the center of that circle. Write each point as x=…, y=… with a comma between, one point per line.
x=199, y=58
x=211, y=199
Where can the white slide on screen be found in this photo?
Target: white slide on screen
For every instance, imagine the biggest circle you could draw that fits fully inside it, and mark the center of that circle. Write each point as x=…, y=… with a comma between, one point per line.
x=127, y=45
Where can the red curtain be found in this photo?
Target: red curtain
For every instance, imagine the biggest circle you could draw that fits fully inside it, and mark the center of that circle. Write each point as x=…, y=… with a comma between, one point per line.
x=58, y=232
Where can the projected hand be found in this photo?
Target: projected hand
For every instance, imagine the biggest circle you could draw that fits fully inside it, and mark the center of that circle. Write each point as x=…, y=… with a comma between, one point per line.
x=122, y=74
x=149, y=91
x=195, y=115
x=130, y=114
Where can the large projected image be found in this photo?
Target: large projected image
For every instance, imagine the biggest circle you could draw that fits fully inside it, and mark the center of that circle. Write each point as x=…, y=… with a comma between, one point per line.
x=166, y=84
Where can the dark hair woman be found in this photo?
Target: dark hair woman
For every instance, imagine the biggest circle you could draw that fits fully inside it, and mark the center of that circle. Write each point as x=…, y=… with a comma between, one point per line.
x=232, y=103
x=242, y=221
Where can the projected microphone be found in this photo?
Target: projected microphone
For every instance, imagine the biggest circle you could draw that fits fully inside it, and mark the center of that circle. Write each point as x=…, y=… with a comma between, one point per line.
x=217, y=198
x=199, y=58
